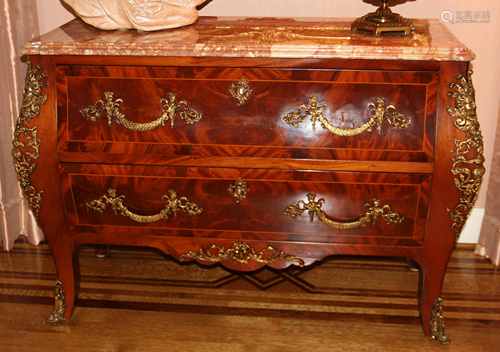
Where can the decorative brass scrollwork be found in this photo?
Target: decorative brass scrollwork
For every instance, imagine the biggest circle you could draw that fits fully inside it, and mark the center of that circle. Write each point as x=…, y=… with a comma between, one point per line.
x=60, y=305
x=437, y=323
x=239, y=190
x=173, y=206
x=190, y=116
x=241, y=253
x=26, y=142
x=467, y=181
x=379, y=113
x=372, y=214
x=241, y=91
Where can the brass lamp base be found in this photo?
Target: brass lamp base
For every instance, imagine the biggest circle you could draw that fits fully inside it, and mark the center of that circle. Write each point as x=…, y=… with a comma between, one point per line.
x=383, y=20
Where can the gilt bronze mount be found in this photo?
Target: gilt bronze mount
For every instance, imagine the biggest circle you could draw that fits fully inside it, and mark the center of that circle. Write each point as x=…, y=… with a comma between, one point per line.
x=373, y=212
x=468, y=157
x=437, y=323
x=26, y=142
x=383, y=20
x=59, y=306
x=241, y=91
x=241, y=253
x=173, y=205
x=379, y=111
x=239, y=190
x=111, y=107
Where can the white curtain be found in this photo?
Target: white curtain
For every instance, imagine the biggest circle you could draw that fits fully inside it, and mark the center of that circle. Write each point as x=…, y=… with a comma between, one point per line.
x=18, y=24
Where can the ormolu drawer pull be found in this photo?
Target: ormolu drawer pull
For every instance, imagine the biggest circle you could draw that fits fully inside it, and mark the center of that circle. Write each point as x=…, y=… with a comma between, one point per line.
x=111, y=107
x=372, y=214
x=173, y=205
x=240, y=91
x=379, y=113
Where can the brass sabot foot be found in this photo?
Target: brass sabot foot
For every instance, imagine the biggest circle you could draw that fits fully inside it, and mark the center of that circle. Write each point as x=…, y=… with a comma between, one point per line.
x=60, y=305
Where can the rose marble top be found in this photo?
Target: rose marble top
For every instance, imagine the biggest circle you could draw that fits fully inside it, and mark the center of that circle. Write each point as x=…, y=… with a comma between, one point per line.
x=255, y=37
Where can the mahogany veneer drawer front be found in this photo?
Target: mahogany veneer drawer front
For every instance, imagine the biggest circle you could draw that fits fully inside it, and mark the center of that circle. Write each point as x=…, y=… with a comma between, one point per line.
x=258, y=211
x=145, y=105
x=251, y=143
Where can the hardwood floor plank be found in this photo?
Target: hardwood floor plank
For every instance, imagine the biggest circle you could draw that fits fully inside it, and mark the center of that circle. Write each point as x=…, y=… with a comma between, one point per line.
x=142, y=300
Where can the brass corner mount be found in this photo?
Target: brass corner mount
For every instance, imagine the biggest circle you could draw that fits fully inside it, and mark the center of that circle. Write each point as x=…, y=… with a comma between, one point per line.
x=383, y=20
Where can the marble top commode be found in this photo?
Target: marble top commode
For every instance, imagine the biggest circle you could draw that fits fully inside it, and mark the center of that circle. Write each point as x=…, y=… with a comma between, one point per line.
x=251, y=142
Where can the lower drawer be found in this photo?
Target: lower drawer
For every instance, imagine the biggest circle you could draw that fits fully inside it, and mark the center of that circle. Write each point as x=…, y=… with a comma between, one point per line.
x=247, y=204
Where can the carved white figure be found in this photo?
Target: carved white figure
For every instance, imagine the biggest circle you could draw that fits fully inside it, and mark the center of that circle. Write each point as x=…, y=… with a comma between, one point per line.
x=145, y=15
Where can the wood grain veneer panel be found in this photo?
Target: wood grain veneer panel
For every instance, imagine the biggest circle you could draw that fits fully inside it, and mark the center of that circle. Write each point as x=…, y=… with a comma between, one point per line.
x=227, y=129
x=259, y=216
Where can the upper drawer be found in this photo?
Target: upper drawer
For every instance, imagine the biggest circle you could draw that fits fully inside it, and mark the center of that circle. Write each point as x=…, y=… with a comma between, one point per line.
x=318, y=114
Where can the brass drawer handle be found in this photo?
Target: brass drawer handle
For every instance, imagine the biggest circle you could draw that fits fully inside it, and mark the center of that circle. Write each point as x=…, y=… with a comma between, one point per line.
x=241, y=253
x=239, y=190
x=379, y=113
x=241, y=91
x=372, y=214
x=172, y=108
x=173, y=206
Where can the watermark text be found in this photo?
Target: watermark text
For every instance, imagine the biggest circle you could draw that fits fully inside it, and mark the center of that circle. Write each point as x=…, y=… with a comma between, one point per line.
x=465, y=16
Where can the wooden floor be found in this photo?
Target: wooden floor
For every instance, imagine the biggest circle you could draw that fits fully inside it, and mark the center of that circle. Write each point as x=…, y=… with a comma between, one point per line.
x=141, y=300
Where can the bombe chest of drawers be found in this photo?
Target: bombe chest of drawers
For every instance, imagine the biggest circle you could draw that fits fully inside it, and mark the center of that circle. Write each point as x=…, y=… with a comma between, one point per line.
x=251, y=142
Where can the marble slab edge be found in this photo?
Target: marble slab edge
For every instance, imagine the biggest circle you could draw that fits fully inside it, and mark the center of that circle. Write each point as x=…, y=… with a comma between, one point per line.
x=431, y=41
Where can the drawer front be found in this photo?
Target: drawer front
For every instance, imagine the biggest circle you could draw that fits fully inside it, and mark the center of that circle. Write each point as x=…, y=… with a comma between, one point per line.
x=262, y=205
x=316, y=114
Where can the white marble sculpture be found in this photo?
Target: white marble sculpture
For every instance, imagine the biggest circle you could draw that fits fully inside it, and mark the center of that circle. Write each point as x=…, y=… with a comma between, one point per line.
x=145, y=15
